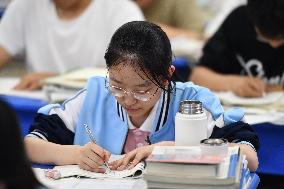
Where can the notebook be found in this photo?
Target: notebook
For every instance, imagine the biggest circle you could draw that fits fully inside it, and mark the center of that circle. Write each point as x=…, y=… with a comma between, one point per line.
x=66, y=171
x=229, y=98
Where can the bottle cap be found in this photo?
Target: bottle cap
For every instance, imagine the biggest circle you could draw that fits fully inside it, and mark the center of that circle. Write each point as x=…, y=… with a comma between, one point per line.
x=190, y=107
x=217, y=146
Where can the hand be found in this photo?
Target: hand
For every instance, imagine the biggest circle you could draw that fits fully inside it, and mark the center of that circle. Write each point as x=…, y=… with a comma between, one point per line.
x=33, y=81
x=274, y=88
x=245, y=86
x=132, y=158
x=91, y=157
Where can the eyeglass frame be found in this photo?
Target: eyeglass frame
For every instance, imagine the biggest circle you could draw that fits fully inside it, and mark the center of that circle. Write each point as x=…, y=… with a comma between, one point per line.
x=125, y=91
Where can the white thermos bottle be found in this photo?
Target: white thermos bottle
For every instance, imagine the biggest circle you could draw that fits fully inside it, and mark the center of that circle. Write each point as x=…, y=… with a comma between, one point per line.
x=190, y=123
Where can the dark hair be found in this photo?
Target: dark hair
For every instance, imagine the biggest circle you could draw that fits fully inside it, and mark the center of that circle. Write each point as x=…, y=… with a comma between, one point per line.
x=268, y=17
x=146, y=46
x=15, y=169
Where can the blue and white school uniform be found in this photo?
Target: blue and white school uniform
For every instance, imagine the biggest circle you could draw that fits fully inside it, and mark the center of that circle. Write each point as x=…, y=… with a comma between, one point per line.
x=96, y=107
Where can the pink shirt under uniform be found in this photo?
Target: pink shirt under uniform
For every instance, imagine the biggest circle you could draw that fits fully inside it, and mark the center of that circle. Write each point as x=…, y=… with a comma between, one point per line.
x=137, y=137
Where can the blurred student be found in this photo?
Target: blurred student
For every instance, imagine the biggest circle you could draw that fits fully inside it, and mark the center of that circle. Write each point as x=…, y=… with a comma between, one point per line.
x=59, y=35
x=15, y=169
x=246, y=54
x=177, y=18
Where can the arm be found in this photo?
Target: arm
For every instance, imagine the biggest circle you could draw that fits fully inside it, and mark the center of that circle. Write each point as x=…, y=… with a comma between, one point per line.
x=89, y=157
x=251, y=156
x=51, y=137
x=33, y=81
x=243, y=135
x=5, y=57
x=241, y=85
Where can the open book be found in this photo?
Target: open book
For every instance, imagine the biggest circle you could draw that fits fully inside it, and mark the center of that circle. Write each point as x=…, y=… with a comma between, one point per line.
x=75, y=79
x=66, y=171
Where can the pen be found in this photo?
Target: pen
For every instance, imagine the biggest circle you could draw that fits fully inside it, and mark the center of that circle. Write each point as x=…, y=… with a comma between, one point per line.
x=93, y=140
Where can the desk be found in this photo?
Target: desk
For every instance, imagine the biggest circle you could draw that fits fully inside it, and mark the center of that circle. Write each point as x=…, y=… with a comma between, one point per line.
x=109, y=183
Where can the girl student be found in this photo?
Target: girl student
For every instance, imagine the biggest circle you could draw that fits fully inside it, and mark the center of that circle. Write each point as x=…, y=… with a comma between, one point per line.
x=135, y=101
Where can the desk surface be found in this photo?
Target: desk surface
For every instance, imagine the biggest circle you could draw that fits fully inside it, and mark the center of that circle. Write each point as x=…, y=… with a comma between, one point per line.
x=109, y=183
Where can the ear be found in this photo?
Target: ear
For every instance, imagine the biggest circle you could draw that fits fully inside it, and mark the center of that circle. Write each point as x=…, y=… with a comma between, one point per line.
x=171, y=70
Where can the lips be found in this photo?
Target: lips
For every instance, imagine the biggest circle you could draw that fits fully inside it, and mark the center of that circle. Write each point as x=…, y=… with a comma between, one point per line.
x=131, y=110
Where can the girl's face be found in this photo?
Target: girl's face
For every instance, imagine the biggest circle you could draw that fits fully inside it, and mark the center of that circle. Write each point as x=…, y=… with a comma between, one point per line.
x=133, y=90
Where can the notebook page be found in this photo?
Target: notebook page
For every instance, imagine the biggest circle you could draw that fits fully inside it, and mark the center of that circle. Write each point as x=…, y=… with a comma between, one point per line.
x=74, y=170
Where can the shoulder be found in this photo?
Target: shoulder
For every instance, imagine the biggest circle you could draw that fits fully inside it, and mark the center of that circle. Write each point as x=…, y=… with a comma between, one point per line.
x=238, y=15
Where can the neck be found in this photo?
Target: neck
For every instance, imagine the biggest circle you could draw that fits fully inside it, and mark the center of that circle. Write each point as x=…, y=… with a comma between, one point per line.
x=138, y=121
x=71, y=11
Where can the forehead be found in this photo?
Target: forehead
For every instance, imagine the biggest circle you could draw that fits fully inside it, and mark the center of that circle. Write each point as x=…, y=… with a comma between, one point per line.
x=127, y=74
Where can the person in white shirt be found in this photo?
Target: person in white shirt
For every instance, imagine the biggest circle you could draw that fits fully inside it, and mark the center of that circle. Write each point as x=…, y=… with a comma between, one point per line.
x=56, y=36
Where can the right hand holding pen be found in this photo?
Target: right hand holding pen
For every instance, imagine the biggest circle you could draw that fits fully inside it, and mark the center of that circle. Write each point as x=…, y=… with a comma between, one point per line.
x=91, y=157
x=246, y=86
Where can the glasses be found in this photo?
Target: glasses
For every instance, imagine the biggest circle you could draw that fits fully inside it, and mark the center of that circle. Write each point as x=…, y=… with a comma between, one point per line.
x=138, y=95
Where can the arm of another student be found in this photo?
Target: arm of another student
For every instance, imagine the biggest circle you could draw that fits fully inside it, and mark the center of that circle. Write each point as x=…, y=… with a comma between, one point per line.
x=33, y=81
x=5, y=57
x=244, y=86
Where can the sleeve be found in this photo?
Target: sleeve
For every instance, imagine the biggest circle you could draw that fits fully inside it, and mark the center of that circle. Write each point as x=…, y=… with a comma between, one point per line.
x=238, y=132
x=51, y=128
x=218, y=53
x=57, y=123
x=12, y=27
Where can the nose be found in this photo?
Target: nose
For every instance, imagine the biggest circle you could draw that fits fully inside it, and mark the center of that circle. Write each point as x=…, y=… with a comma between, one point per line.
x=129, y=99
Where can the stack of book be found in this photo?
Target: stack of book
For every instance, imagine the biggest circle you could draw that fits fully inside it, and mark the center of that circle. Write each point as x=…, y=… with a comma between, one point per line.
x=186, y=167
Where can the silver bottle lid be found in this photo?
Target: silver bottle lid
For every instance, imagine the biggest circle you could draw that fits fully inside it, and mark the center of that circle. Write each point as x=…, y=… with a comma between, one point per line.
x=190, y=107
x=214, y=142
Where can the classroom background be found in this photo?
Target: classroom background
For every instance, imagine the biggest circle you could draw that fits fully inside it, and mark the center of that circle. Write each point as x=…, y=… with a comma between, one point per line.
x=188, y=32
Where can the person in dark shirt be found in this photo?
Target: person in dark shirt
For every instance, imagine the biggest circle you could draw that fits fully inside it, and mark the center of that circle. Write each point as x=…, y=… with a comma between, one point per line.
x=246, y=54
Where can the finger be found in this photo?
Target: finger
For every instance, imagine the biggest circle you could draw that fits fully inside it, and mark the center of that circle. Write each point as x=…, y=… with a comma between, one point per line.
x=251, y=92
x=97, y=150
x=107, y=155
x=22, y=85
x=93, y=156
x=115, y=164
x=135, y=161
x=127, y=159
x=257, y=85
x=92, y=166
x=34, y=85
x=84, y=166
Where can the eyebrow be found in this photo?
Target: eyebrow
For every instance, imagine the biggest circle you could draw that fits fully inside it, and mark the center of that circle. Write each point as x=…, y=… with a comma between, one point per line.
x=145, y=84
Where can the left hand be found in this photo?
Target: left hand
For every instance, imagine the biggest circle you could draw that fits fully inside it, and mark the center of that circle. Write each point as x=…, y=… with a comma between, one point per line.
x=33, y=81
x=132, y=158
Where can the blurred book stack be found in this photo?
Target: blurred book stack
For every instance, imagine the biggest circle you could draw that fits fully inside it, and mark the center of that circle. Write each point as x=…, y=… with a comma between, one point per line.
x=176, y=167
